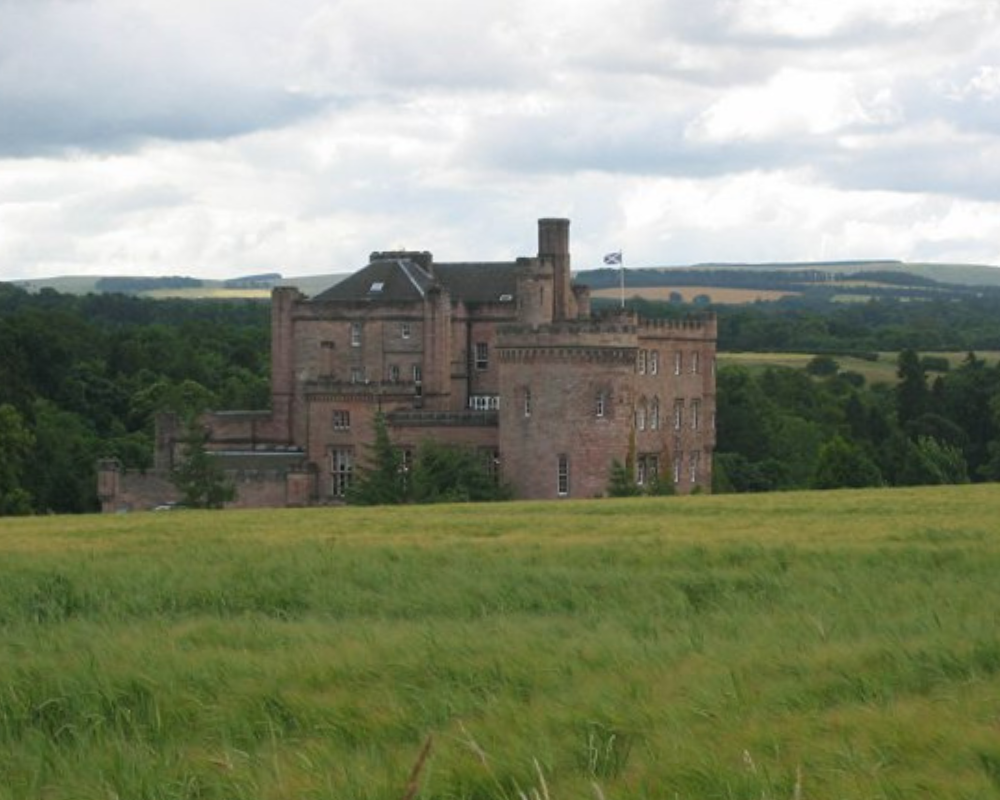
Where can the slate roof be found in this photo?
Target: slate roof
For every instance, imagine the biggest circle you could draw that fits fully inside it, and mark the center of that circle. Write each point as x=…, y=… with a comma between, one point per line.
x=479, y=282
x=397, y=280
x=394, y=280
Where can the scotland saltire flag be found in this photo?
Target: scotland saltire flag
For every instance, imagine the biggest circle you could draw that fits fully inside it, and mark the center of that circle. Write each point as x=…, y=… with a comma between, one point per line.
x=613, y=258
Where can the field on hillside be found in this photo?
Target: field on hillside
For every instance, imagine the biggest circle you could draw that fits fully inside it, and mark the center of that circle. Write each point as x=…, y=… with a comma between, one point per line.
x=808, y=645
x=717, y=294
x=881, y=371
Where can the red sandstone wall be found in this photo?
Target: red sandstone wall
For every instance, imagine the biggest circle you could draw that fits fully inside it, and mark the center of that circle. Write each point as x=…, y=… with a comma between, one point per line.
x=565, y=368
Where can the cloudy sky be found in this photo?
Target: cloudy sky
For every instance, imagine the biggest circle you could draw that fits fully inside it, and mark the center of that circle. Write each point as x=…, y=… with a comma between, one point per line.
x=226, y=137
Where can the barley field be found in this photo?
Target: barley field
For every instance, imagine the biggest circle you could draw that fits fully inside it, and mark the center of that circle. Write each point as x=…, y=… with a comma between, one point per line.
x=795, y=646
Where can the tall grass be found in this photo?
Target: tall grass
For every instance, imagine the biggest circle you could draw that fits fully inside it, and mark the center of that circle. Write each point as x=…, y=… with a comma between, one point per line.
x=810, y=645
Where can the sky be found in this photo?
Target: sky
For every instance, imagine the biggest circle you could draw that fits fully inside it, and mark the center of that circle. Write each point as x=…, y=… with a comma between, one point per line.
x=220, y=138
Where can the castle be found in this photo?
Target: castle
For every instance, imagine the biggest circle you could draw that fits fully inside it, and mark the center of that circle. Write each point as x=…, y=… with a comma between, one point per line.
x=504, y=357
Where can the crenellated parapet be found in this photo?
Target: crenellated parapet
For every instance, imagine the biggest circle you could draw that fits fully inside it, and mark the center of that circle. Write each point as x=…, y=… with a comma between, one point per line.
x=590, y=340
x=695, y=327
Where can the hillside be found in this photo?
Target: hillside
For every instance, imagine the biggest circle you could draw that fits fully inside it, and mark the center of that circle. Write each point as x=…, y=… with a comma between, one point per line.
x=182, y=287
x=813, y=645
x=847, y=281
x=720, y=283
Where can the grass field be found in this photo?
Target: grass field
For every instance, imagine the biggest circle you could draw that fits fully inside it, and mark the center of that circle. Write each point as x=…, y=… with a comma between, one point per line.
x=717, y=294
x=808, y=645
x=881, y=371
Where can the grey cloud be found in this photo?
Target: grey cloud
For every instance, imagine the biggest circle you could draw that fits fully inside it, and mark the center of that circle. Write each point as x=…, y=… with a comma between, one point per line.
x=82, y=76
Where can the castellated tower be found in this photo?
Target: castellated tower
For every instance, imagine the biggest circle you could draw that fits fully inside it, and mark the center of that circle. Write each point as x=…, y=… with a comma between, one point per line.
x=566, y=406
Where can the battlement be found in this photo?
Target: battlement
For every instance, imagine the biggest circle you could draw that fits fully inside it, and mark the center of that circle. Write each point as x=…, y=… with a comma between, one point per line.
x=694, y=327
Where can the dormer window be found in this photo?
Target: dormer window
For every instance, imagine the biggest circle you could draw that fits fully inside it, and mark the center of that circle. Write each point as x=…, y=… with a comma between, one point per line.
x=377, y=287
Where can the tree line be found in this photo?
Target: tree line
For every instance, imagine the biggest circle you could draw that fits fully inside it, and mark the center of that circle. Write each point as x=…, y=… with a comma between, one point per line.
x=81, y=378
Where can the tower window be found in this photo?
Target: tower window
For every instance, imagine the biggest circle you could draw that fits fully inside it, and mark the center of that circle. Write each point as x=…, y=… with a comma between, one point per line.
x=562, y=476
x=404, y=330
x=341, y=419
x=482, y=355
x=355, y=334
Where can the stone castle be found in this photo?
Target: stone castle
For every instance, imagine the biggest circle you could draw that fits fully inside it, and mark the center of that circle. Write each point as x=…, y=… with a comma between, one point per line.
x=505, y=357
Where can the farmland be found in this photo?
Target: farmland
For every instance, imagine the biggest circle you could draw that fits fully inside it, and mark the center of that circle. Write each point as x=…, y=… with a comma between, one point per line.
x=814, y=645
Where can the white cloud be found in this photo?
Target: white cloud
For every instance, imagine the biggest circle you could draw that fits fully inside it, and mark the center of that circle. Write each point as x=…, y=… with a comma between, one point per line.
x=246, y=135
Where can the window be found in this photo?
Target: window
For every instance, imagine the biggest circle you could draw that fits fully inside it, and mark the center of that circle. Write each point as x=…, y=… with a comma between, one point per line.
x=357, y=375
x=642, y=362
x=677, y=468
x=482, y=355
x=393, y=373
x=484, y=402
x=355, y=334
x=341, y=467
x=647, y=468
x=695, y=362
x=341, y=419
x=654, y=362
x=693, y=462
x=404, y=330
x=599, y=407
x=562, y=476
x=377, y=287
x=640, y=415
x=678, y=362
x=418, y=373
x=695, y=414
x=527, y=402
x=654, y=414
x=678, y=414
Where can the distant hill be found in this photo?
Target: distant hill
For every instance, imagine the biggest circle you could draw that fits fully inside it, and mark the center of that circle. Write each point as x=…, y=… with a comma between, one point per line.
x=714, y=282
x=839, y=281
x=250, y=286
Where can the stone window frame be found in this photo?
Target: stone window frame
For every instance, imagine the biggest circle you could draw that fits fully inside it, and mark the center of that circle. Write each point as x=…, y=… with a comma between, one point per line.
x=601, y=405
x=405, y=330
x=341, y=470
x=482, y=357
x=678, y=362
x=527, y=401
x=355, y=334
x=678, y=413
x=654, y=362
x=341, y=419
x=394, y=373
x=562, y=475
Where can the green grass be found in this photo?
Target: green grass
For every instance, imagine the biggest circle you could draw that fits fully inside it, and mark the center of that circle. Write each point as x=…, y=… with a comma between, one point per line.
x=812, y=645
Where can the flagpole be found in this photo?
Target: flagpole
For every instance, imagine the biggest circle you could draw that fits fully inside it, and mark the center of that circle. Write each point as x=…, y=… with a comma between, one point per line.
x=621, y=276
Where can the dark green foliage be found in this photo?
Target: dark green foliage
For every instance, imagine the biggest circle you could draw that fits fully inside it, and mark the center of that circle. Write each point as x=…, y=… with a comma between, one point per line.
x=16, y=443
x=384, y=482
x=822, y=366
x=912, y=396
x=449, y=473
x=843, y=465
x=621, y=481
x=87, y=375
x=199, y=477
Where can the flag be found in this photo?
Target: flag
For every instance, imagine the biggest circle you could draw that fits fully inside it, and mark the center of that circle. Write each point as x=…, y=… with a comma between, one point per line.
x=613, y=258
